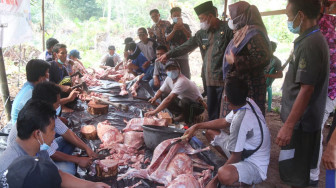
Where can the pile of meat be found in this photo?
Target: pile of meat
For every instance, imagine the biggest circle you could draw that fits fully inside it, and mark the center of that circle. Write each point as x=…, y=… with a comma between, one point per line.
x=88, y=97
x=125, y=148
x=175, y=168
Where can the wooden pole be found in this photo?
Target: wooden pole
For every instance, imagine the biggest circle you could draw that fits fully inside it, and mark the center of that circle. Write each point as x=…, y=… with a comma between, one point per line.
x=225, y=10
x=272, y=13
x=43, y=39
x=4, y=86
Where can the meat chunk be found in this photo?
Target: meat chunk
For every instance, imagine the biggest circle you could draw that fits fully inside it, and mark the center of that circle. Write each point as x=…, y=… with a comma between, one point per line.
x=134, y=139
x=108, y=134
x=180, y=164
x=135, y=124
x=185, y=181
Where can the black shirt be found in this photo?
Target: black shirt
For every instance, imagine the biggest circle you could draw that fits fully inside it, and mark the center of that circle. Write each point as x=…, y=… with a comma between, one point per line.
x=309, y=66
x=56, y=74
x=179, y=37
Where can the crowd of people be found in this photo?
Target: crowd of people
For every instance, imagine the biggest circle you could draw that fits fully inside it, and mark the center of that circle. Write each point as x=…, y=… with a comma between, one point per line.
x=238, y=70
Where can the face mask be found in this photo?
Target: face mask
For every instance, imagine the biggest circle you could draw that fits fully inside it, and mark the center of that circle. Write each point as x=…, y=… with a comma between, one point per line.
x=204, y=25
x=290, y=25
x=58, y=110
x=173, y=74
x=231, y=26
x=175, y=19
x=60, y=62
x=43, y=146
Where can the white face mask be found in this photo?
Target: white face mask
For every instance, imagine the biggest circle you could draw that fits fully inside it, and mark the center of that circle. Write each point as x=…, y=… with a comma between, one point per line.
x=231, y=25
x=205, y=25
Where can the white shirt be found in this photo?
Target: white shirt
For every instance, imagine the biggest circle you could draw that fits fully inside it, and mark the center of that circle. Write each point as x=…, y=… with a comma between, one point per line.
x=183, y=88
x=147, y=50
x=245, y=133
x=116, y=59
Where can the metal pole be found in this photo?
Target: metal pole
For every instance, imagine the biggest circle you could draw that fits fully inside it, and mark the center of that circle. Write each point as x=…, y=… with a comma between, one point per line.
x=43, y=47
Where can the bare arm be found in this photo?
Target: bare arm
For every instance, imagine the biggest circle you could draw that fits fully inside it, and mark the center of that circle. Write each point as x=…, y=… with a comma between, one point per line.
x=278, y=74
x=72, y=138
x=234, y=158
x=297, y=111
x=83, y=162
x=70, y=181
x=163, y=105
x=214, y=124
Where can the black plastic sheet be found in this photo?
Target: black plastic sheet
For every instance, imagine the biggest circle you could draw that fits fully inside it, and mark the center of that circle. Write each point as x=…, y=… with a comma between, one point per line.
x=137, y=107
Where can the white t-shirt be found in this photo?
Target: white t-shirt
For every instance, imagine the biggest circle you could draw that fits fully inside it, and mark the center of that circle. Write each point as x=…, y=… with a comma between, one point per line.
x=147, y=50
x=183, y=87
x=245, y=133
x=115, y=56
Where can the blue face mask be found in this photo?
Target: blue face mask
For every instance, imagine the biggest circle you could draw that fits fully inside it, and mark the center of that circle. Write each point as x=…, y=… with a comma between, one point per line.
x=175, y=19
x=58, y=110
x=43, y=146
x=290, y=25
x=60, y=62
x=173, y=74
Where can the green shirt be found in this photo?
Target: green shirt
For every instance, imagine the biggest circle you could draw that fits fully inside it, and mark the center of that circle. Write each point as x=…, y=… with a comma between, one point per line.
x=212, y=44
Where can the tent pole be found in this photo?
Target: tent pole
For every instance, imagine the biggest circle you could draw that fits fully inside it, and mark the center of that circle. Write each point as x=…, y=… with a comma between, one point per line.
x=4, y=87
x=43, y=40
x=225, y=9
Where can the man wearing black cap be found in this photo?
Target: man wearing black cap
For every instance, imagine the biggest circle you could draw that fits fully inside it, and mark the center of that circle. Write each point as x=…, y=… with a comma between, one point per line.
x=28, y=171
x=111, y=59
x=77, y=65
x=183, y=97
x=212, y=39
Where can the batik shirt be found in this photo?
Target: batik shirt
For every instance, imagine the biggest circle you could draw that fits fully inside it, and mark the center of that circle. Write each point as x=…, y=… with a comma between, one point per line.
x=327, y=26
x=159, y=32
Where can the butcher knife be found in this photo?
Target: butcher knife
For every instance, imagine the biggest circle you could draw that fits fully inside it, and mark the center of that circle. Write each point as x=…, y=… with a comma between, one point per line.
x=117, y=105
x=82, y=85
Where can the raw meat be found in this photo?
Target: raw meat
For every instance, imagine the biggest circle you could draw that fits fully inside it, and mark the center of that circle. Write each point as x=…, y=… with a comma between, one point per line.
x=89, y=132
x=123, y=91
x=108, y=134
x=166, y=116
x=158, y=169
x=185, y=181
x=134, y=139
x=135, y=86
x=135, y=124
x=180, y=164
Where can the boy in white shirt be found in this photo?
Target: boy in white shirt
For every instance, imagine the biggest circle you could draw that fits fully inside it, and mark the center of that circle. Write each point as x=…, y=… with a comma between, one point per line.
x=248, y=145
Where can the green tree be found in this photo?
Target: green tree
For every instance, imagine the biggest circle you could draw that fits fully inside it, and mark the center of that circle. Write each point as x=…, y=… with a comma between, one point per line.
x=81, y=9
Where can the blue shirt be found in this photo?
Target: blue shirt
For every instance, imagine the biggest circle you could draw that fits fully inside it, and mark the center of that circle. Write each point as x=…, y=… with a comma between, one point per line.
x=139, y=61
x=21, y=99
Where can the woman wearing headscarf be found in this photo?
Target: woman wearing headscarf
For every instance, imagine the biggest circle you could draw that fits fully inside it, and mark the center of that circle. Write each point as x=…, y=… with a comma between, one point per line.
x=248, y=53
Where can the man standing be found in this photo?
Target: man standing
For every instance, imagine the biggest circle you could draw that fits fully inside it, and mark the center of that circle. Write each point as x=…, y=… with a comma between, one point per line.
x=48, y=54
x=111, y=59
x=176, y=35
x=157, y=32
x=212, y=39
x=304, y=95
x=147, y=46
